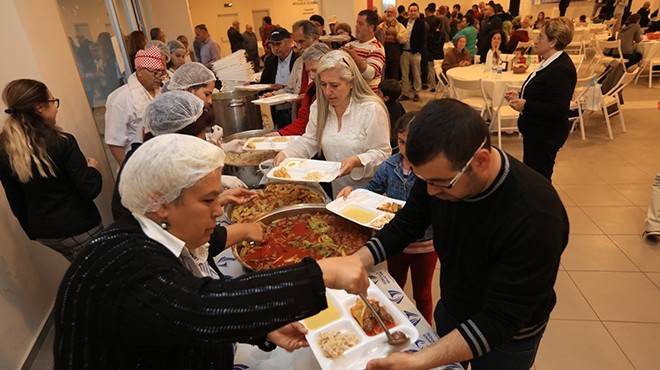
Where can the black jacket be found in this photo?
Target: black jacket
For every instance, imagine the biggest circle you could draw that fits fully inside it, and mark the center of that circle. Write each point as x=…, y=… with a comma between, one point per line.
x=55, y=207
x=487, y=26
x=417, y=36
x=548, y=98
x=270, y=68
x=235, y=39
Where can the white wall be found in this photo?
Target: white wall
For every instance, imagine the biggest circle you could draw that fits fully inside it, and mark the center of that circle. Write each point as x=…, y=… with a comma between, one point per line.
x=173, y=17
x=29, y=272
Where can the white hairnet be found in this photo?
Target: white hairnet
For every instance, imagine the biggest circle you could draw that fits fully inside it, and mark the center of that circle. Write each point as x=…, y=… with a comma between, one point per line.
x=164, y=51
x=189, y=75
x=161, y=168
x=172, y=111
x=175, y=45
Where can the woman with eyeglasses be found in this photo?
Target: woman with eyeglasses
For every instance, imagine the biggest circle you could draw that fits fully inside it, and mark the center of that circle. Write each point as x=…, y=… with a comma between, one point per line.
x=545, y=98
x=49, y=184
x=348, y=123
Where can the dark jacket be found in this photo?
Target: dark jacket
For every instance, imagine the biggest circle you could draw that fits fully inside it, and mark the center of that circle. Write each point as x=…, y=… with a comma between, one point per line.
x=548, y=98
x=487, y=26
x=235, y=39
x=435, y=38
x=128, y=302
x=270, y=68
x=55, y=207
x=417, y=36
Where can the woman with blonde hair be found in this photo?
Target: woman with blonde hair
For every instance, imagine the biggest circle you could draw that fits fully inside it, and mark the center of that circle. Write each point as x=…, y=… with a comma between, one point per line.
x=49, y=184
x=348, y=123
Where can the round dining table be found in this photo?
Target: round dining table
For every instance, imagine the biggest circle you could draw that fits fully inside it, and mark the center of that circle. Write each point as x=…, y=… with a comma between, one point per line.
x=494, y=86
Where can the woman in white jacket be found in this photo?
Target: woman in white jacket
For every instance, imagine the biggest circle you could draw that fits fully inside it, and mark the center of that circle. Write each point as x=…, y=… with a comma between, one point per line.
x=348, y=123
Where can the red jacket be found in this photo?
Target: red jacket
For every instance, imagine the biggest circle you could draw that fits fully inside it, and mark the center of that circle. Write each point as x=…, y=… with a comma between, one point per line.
x=298, y=126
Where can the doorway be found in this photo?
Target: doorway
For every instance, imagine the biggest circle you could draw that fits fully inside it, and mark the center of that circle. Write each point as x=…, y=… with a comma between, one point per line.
x=224, y=23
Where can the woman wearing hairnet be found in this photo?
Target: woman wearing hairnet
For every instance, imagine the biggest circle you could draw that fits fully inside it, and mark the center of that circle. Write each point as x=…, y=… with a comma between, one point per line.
x=129, y=301
x=195, y=78
x=182, y=113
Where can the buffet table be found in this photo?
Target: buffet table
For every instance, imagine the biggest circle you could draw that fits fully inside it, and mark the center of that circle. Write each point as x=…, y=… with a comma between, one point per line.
x=250, y=357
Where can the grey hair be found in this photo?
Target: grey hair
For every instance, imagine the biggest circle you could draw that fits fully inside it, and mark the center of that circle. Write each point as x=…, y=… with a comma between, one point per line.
x=309, y=29
x=315, y=52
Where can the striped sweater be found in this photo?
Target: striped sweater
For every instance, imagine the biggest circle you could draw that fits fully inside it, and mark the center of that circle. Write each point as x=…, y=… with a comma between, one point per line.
x=499, y=253
x=373, y=53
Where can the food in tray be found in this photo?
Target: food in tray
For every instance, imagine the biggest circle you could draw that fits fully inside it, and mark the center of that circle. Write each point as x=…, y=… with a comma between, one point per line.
x=324, y=317
x=281, y=172
x=248, y=158
x=279, y=139
x=333, y=343
x=290, y=239
x=292, y=163
x=314, y=176
x=250, y=145
x=366, y=320
x=274, y=196
x=380, y=222
x=391, y=207
x=358, y=214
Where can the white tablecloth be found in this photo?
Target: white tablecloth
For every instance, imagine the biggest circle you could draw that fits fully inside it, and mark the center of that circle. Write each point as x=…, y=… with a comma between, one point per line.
x=648, y=47
x=251, y=357
x=494, y=88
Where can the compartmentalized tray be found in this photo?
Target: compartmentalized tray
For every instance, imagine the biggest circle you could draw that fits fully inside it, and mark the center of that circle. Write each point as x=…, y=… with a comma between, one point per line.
x=305, y=170
x=362, y=207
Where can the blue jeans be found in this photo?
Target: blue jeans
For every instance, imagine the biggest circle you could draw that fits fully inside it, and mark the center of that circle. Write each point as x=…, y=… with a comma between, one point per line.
x=511, y=355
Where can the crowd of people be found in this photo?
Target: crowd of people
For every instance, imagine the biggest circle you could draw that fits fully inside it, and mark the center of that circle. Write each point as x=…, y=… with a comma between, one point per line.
x=145, y=292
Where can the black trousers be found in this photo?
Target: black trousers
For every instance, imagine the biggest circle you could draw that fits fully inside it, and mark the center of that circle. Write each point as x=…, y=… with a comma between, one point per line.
x=392, y=57
x=281, y=117
x=540, y=151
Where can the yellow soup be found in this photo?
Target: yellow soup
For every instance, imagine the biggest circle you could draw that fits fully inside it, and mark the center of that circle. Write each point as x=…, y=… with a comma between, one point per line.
x=358, y=214
x=323, y=318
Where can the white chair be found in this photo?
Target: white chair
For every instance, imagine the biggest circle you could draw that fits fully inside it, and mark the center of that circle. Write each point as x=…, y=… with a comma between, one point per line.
x=442, y=79
x=602, y=46
x=577, y=45
x=611, y=98
x=476, y=101
x=504, y=112
x=651, y=59
x=576, y=103
x=577, y=61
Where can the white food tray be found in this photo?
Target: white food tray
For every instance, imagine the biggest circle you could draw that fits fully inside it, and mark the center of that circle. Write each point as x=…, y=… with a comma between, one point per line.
x=334, y=38
x=361, y=207
x=368, y=347
x=277, y=99
x=253, y=87
x=303, y=170
x=276, y=143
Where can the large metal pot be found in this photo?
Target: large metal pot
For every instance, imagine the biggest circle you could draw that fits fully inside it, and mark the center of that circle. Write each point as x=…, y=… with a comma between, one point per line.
x=234, y=111
x=247, y=169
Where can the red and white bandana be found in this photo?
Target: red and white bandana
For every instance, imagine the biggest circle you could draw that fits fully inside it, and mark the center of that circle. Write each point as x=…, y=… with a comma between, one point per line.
x=149, y=58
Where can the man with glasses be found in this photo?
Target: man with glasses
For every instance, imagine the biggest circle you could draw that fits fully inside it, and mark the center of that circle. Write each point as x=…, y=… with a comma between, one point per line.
x=125, y=106
x=499, y=231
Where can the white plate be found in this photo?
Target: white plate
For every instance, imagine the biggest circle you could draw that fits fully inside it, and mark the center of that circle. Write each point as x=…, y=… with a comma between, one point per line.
x=368, y=347
x=302, y=169
x=334, y=38
x=276, y=143
x=253, y=87
x=361, y=207
x=277, y=99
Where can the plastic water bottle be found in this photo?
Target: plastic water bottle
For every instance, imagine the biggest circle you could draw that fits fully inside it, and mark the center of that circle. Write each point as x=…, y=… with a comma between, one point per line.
x=498, y=71
x=529, y=60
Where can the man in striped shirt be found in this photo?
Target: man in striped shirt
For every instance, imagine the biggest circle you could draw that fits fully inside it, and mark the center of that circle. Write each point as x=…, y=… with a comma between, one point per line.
x=367, y=52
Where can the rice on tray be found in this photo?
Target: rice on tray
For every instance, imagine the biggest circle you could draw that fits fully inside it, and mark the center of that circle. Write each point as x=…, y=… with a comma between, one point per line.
x=333, y=343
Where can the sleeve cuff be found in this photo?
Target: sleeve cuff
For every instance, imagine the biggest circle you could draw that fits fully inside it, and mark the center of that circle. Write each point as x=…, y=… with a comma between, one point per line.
x=474, y=338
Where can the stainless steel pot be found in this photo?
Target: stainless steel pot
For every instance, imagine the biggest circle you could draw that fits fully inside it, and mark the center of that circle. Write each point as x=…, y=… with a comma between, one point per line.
x=234, y=111
x=250, y=172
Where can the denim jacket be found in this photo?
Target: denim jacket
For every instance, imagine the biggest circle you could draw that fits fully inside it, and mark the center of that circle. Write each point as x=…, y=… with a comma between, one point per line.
x=389, y=179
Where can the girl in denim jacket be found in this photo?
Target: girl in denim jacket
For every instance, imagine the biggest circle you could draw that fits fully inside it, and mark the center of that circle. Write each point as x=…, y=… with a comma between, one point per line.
x=395, y=178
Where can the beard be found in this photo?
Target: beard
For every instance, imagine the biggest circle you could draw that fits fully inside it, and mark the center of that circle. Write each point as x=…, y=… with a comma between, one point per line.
x=389, y=19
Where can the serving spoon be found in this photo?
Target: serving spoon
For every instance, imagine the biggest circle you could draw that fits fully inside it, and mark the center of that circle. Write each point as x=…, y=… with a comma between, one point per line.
x=395, y=338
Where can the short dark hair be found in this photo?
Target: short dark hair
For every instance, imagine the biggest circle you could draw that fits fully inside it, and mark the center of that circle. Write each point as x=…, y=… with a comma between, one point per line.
x=469, y=19
x=267, y=20
x=390, y=88
x=317, y=18
x=431, y=7
x=202, y=27
x=403, y=123
x=448, y=127
x=400, y=9
x=154, y=33
x=413, y=4
x=371, y=16
x=457, y=6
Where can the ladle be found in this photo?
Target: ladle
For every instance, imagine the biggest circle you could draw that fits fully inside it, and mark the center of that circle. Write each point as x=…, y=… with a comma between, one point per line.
x=395, y=338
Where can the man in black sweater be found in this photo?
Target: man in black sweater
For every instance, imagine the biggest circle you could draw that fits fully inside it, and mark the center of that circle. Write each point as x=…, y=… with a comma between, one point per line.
x=490, y=23
x=499, y=231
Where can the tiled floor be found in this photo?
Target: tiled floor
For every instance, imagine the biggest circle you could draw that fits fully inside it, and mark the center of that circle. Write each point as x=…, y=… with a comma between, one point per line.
x=608, y=310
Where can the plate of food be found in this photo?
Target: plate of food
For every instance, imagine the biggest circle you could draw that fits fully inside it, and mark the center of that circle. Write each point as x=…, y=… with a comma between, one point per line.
x=262, y=143
x=366, y=208
x=305, y=170
x=295, y=232
x=253, y=87
x=334, y=38
x=346, y=336
x=277, y=99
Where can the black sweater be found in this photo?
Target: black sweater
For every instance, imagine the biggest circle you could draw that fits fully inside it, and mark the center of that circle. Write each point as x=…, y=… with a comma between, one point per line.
x=127, y=302
x=55, y=207
x=499, y=253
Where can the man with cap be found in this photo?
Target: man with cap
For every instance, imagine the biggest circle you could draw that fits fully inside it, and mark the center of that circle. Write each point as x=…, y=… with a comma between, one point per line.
x=277, y=70
x=210, y=51
x=125, y=106
x=332, y=22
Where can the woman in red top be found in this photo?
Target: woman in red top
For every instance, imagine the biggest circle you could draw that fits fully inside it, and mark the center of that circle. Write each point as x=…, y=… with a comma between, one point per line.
x=311, y=57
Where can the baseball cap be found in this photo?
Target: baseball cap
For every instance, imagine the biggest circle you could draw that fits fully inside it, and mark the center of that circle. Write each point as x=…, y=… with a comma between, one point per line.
x=279, y=34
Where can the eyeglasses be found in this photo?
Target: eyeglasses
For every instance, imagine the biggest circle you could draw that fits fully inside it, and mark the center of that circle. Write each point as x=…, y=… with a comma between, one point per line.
x=458, y=176
x=157, y=72
x=56, y=101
